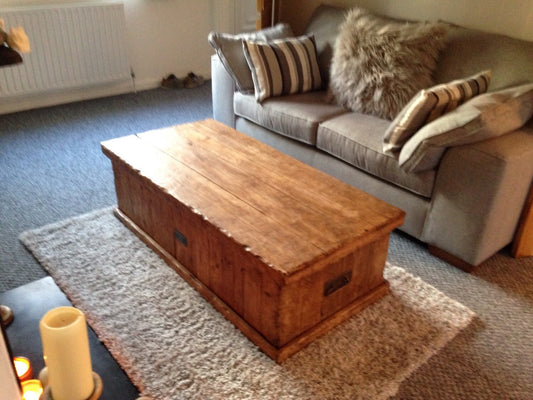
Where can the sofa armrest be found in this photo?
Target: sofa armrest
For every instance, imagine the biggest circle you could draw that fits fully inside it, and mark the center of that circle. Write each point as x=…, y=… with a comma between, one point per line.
x=223, y=88
x=478, y=196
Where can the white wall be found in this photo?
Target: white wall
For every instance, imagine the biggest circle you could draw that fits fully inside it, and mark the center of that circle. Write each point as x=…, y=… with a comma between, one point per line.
x=168, y=36
x=164, y=36
x=510, y=17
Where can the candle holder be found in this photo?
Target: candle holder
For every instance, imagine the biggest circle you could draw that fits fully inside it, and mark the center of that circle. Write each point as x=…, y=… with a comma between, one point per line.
x=32, y=389
x=47, y=392
x=23, y=368
x=6, y=315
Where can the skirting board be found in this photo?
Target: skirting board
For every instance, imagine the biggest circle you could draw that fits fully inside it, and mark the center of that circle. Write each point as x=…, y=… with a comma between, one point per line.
x=23, y=103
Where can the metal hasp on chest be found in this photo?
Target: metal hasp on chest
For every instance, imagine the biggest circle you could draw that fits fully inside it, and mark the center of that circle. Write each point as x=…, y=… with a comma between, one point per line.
x=282, y=250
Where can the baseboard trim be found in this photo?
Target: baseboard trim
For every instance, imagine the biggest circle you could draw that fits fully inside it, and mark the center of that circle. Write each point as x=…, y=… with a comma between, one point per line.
x=28, y=102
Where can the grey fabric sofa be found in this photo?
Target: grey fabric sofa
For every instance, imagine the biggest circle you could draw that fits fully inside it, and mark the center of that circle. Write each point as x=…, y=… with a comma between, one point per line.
x=466, y=207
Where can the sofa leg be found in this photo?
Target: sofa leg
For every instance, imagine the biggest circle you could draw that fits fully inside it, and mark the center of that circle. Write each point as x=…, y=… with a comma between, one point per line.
x=450, y=258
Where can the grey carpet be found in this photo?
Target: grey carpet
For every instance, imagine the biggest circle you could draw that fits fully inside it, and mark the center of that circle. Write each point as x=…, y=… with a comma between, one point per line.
x=153, y=321
x=51, y=165
x=51, y=168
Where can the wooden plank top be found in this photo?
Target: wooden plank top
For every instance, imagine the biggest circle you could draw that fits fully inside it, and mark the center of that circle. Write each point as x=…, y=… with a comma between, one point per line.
x=278, y=208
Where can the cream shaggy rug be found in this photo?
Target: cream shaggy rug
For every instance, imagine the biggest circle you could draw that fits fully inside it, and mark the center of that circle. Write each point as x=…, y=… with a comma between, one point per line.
x=174, y=345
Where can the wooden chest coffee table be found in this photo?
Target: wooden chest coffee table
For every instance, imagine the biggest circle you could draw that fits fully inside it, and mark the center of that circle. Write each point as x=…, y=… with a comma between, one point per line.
x=284, y=251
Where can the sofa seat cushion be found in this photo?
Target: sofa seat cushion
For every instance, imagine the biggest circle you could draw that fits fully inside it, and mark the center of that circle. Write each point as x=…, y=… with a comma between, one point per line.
x=296, y=116
x=357, y=139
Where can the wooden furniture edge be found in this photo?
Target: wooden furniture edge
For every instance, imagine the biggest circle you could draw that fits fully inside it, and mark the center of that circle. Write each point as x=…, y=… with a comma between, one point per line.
x=277, y=354
x=331, y=322
x=523, y=240
x=450, y=258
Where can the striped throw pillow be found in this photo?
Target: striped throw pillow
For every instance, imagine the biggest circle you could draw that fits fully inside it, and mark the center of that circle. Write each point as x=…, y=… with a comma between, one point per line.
x=428, y=105
x=283, y=66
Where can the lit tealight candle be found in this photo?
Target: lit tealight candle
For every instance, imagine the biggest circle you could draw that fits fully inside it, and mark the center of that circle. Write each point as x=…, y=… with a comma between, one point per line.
x=23, y=368
x=32, y=389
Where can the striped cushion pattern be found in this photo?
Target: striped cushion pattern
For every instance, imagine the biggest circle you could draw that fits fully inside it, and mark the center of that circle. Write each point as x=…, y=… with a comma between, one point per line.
x=429, y=104
x=283, y=66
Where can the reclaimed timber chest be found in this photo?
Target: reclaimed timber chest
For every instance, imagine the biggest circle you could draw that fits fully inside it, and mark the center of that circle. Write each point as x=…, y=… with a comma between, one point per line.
x=283, y=250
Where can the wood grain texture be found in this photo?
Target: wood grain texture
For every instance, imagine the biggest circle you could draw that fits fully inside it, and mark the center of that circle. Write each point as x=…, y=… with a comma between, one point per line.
x=266, y=234
x=450, y=258
x=279, y=353
x=523, y=242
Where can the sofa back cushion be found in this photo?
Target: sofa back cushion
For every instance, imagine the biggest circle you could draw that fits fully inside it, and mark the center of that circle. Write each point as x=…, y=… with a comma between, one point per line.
x=468, y=51
x=324, y=25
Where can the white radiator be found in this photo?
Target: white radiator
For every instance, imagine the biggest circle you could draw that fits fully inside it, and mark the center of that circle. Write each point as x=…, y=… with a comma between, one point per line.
x=72, y=46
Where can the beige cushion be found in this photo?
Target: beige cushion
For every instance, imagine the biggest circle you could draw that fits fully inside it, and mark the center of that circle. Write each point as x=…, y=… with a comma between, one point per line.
x=379, y=65
x=429, y=104
x=296, y=116
x=283, y=66
x=229, y=49
x=356, y=139
x=485, y=116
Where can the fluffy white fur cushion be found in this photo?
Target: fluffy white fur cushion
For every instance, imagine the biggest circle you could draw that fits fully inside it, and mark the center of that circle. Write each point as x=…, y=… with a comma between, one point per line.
x=379, y=64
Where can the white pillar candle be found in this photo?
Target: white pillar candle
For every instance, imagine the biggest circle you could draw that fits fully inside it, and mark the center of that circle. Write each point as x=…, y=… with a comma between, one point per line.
x=66, y=353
